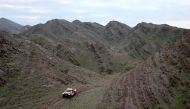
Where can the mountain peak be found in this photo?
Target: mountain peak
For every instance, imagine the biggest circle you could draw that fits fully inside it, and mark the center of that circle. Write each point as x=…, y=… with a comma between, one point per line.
x=5, y=20
x=145, y=24
x=2, y=18
x=8, y=25
x=77, y=22
x=151, y=25
x=58, y=21
x=116, y=23
x=113, y=22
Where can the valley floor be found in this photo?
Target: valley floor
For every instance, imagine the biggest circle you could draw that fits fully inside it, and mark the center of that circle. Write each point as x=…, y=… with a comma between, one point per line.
x=89, y=96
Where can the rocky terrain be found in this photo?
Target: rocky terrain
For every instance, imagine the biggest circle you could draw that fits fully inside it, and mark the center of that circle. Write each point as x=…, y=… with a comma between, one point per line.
x=10, y=26
x=161, y=82
x=39, y=62
x=28, y=72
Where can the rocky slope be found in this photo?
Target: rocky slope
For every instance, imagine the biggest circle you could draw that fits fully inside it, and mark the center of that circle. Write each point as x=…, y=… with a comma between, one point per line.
x=80, y=43
x=115, y=32
x=105, y=48
x=10, y=26
x=147, y=38
x=161, y=82
x=37, y=64
x=28, y=72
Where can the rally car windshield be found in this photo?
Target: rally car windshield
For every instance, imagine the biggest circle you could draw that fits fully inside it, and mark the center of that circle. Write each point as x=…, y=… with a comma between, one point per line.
x=68, y=91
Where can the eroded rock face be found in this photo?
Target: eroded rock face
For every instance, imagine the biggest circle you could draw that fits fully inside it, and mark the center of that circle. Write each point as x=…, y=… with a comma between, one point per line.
x=22, y=57
x=115, y=32
x=162, y=82
x=59, y=53
x=146, y=38
x=115, y=38
x=7, y=55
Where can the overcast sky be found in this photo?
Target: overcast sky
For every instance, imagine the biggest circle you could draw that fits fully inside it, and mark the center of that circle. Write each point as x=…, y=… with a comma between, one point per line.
x=131, y=12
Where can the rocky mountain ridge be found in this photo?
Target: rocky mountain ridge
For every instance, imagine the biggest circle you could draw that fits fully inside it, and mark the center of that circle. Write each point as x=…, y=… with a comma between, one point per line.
x=48, y=57
x=161, y=82
x=10, y=26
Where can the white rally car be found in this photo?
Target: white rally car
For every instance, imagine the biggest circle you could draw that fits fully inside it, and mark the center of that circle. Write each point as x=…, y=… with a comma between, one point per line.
x=69, y=92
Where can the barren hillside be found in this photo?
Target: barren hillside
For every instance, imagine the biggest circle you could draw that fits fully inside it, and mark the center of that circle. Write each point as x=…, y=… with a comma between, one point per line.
x=37, y=64
x=28, y=73
x=161, y=82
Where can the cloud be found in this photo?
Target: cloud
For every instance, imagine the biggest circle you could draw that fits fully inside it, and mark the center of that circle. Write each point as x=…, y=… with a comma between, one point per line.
x=28, y=17
x=79, y=11
x=10, y=6
x=26, y=8
x=141, y=8
x=182, y=2
x=132, y=5
x=127, y=11
x=39, y=10
x=20, y=1
x=65, y=2
x=100, y=15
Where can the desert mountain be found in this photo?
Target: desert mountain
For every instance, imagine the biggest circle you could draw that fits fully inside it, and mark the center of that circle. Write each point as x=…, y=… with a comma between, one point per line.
x=79, y=43
x=10, y=26
x=147, y=38
x=161, y=82
x=105, y=48
x=28, y=72
x=37, y=63
x=116, y=31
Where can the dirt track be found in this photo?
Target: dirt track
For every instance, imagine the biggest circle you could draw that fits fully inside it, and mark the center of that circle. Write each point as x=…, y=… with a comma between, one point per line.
x=89, y=95
x=61, y=101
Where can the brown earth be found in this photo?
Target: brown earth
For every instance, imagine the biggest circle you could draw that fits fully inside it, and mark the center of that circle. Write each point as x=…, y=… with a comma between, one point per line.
x=40, y=62
x=162, y=82
x=89, y=95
